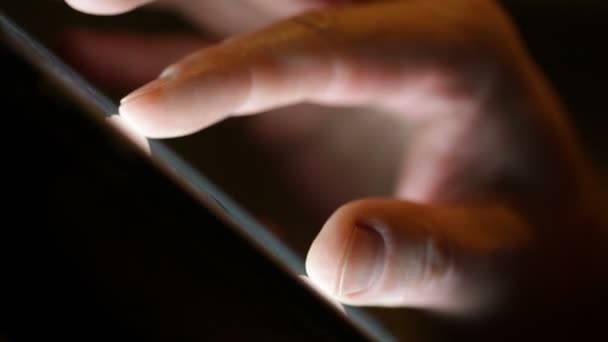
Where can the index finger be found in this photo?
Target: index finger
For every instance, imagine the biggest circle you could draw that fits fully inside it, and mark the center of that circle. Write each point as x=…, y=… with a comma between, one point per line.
x=381, y=54
x=106, y=7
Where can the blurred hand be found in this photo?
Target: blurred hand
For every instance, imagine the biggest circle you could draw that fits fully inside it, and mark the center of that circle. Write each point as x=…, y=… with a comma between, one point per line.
x=495, y=193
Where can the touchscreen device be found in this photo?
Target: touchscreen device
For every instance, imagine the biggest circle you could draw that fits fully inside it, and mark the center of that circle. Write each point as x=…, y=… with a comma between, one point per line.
x=183, y=178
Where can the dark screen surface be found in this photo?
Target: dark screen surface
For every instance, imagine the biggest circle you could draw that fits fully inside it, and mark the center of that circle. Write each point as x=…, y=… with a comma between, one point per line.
x=98, y=244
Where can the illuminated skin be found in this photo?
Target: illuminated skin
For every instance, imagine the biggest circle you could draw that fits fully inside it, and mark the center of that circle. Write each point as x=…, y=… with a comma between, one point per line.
x=494, y=174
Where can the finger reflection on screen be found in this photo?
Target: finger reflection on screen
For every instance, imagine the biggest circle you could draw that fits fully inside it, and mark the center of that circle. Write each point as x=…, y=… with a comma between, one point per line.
x=129, y=131
x=323, y=294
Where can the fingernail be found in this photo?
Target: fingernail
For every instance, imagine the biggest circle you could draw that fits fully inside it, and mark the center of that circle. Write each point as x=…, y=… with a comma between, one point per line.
x=364, y=261
x=169, y=72
x=149, y=88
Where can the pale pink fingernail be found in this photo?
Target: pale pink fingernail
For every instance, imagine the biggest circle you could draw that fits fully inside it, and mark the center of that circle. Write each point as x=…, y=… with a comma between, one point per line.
x=364, y=261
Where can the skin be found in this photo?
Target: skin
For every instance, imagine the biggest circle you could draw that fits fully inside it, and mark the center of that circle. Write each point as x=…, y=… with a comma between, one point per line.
x=495, y=195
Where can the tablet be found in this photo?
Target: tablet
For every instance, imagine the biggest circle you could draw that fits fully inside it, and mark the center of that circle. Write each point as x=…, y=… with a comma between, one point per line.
x=147, y=234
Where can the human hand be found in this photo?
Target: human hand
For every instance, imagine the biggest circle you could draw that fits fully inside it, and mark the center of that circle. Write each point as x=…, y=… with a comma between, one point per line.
x=495, y=193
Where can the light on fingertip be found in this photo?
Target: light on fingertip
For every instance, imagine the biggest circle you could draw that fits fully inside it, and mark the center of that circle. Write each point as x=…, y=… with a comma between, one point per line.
x=130, y=131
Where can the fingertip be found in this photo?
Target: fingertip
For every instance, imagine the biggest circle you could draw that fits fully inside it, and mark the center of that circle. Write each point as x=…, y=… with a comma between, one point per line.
x=160, y=113
x=161, y=109
x=186, y=101
x=106, y=7
x=323, y=261
x=147, y=113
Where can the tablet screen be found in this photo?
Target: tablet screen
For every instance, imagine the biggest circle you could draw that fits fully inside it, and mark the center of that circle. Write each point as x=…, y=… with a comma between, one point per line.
x=164, y=157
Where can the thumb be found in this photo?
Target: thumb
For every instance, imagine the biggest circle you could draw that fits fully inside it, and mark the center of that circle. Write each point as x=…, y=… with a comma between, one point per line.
x=387, y=252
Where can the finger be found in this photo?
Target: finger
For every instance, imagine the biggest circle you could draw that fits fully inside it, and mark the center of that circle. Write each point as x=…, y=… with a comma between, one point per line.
x=378, y=54
x=122, y=60
x=106, y=7
x=386, y=252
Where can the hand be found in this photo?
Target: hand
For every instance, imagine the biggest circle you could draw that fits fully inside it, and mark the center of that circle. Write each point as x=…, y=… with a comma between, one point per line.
x=495, y=194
